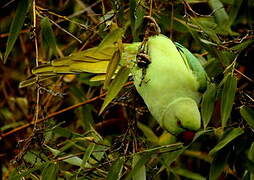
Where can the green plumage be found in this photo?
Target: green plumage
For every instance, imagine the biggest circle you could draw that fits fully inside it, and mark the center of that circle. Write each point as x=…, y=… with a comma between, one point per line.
x=169, y=87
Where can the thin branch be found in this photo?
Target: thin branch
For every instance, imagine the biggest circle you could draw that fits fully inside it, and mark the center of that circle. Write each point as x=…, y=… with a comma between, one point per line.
x=67, y=32
x=37, y=64
x=151, y=8
x=50, y=116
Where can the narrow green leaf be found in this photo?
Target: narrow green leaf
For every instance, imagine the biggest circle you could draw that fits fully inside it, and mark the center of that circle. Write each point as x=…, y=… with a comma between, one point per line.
x=32, y=80
x=234, y=11
x=112, y=37
x=250, y=153
x=48, y=37
x=73, y=160
x=139, y=16
x=55, y=152
x=16, y=26
x=227, y=98
x=112, y=66
x=17, y=176
x=247, y=114
x=116, y=169
x=218, y=165
x=148, y=133
x=50, y=171
x=116, y=86
x=133, y=5
x=227, y=138
x=213, y=68
x=141, y=172
x=138, y=165
x=87, y=154
x=249, y=165
x=1, y=55
x=211, y=33
x=207, y=104
x=221, y=15
x=188, y=174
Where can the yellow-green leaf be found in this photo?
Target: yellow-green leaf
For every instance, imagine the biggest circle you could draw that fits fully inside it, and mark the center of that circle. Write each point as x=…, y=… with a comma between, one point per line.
x=50, y=171
x=116, y=86
x=116, y=169
x=247, y=114
x=16, y=26
x=207, y=105
x=227, y=98
x=112, y=37
x=228, y=137
x=48, y=37
x=112, y=66
x=33, y=80
x=148, y=133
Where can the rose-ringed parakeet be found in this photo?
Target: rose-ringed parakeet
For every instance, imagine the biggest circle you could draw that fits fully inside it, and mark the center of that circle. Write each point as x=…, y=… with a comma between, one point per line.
x=168, y=77
x=170, y=84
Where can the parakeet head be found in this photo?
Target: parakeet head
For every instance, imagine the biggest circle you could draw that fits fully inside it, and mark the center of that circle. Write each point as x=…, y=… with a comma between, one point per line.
x=181, y=115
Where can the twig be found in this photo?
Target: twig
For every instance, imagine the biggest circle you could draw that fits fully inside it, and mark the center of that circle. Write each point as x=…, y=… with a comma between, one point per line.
x=51, y=115
x=151, y=8
x=67, y=32
x=172, y=20
x=37, y=64
x=21, y=32
x=57, y=113
x=239, y=72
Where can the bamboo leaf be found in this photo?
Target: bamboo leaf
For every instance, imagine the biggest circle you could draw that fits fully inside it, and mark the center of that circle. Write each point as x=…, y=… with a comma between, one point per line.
x=148, y=133
x=116, y=86
x=234, y=11
x=139, y=164
x=228, y=137
x=218, y=165
x=73, y=160
x=116, y=169
x=32, y=80
x=87, y=154
x=112, y=66
x=16, y=26
x=111, y=38
x=247, y=114
x=48, y=37
x=207, y=105
x=133, y=5
x=227, y=98
x=221, y=15
x=17, y=176
x=50, y=171
x=140, y=174
x=188, y=174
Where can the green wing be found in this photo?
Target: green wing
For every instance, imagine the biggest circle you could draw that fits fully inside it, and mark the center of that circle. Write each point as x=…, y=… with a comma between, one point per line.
x=195, y=66
x=92, y=60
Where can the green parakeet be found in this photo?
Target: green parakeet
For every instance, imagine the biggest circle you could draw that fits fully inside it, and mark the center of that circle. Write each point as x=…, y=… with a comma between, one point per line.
x=169, y=87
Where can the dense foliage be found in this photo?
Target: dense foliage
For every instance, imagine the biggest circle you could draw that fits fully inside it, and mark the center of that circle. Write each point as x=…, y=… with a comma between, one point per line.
x=55, y=125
